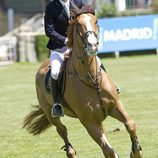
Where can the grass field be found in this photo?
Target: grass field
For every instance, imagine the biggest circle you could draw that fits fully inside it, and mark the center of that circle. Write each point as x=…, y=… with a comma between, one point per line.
x=138, y=79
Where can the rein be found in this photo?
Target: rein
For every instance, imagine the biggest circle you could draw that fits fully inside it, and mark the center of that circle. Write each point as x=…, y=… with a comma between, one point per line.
x=94, y=82
x=85, y=47
x=81, y=59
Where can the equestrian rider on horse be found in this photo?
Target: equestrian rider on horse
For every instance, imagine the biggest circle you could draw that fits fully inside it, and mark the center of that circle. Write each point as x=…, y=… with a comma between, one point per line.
x=56, y=20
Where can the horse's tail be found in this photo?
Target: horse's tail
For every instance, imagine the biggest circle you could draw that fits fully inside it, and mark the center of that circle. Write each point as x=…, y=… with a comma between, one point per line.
x=36, y=121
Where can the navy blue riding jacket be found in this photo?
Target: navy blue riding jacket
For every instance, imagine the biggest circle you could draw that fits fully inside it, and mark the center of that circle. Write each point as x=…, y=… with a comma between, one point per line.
x=56, y=23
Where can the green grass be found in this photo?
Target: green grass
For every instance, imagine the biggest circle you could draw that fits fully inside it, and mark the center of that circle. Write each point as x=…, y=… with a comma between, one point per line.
x=138, y=79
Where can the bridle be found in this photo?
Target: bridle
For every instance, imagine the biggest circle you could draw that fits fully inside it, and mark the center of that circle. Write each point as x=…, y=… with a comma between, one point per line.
x=86, y=47
x=86, y=51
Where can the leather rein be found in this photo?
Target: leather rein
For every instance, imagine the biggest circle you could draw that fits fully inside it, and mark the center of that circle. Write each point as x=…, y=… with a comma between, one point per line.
x=94, y=81
x=86, y=49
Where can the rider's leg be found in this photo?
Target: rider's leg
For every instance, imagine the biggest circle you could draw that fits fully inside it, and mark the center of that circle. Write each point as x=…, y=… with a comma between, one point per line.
x=56, y=60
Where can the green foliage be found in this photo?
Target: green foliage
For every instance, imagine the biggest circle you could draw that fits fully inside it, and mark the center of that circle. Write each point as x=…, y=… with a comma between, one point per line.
x=108, y=10
x=135, y=12
x=42, y=50
x=155, y=6
x=155, y=3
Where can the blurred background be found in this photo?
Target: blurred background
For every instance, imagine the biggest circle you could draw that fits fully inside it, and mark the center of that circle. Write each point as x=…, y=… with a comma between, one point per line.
x=22, y=35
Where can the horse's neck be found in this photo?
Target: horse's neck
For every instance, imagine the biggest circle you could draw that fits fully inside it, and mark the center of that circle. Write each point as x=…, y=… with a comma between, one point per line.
x=85, y=66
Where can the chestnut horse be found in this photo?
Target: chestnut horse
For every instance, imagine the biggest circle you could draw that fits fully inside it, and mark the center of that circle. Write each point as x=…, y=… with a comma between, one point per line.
x=90, y=94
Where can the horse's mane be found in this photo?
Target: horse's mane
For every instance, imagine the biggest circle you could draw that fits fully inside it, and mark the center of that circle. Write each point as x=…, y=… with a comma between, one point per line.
x=70, y=33
x=83, y=10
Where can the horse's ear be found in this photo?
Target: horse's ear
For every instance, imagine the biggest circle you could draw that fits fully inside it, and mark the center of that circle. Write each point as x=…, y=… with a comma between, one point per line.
x=74, y=8
x=94, y=4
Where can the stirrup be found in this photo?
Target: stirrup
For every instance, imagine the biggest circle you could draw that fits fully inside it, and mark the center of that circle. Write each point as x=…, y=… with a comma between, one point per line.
x=57, y=110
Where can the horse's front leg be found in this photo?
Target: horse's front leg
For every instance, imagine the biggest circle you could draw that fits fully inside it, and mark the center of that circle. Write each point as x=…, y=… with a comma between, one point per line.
x=96, y=131
x=120, y=113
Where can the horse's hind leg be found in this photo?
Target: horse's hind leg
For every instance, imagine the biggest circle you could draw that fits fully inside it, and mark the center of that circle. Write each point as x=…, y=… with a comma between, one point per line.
x=96, y=131
x=61, y=129
x=120, y=113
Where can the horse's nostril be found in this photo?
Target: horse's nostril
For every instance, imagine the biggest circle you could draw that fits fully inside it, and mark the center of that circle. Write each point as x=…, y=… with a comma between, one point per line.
x=89, y=45
x=93, y=46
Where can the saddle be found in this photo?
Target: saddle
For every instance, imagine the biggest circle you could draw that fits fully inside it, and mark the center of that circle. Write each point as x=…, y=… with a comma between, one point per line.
x=61, y=80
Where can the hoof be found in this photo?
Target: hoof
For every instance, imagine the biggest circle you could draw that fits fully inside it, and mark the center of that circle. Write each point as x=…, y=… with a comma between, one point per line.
x=136, y=153
x=70, y=152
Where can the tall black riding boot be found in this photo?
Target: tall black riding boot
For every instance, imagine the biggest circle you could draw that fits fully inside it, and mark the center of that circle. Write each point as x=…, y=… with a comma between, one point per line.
x=117, y=87
x=57, y=109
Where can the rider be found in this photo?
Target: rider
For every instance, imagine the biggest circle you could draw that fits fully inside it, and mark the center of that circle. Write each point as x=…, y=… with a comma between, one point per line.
x=56, y=19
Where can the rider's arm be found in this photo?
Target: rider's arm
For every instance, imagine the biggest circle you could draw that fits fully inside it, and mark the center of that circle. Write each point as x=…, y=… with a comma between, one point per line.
x=50, y=29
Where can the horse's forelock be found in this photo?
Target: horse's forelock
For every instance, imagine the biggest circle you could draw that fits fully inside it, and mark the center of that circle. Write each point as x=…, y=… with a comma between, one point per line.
x=85, y=9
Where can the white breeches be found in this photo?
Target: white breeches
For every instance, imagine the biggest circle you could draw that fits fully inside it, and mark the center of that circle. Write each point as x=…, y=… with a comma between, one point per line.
x=56, y=60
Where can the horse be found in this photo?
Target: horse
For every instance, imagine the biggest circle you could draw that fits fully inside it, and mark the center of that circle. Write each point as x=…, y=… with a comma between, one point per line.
x=95, y=97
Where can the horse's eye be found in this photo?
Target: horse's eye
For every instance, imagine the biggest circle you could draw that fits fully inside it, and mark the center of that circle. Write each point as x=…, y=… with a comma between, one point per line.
x=96, y=21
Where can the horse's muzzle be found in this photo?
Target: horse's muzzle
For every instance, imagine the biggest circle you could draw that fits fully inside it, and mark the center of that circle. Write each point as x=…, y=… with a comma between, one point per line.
x=91, y=46
x=91, y=49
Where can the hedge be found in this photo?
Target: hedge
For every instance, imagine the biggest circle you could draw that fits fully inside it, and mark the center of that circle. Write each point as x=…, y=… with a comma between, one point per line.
x=41, y=47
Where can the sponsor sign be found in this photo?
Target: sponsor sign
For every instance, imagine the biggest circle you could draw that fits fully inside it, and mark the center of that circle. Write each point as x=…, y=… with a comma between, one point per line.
x=128, y=33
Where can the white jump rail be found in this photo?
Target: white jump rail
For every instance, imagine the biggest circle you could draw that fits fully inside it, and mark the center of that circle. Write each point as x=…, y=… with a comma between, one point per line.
x=8, y=46
x=8, y=43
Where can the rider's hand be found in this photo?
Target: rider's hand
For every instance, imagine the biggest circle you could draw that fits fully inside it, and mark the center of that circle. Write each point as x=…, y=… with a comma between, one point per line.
x=67, y=53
